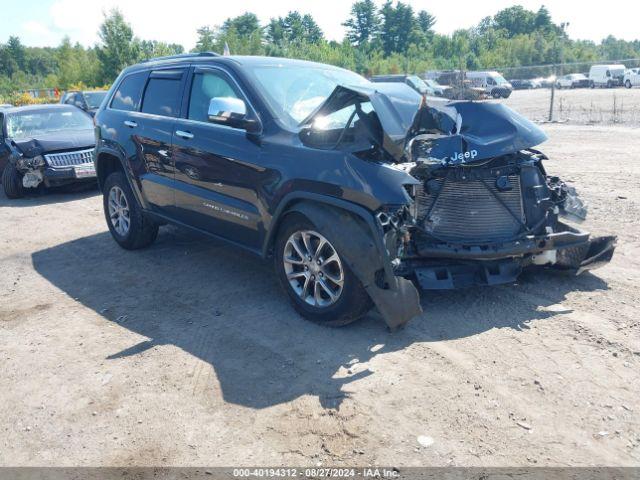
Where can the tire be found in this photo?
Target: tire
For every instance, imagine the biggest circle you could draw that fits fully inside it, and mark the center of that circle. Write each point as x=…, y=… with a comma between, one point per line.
x=627, y=84
x=496, y=94
x=12, y=182
x=352, y=301
x=140, y=231
x=592, y=84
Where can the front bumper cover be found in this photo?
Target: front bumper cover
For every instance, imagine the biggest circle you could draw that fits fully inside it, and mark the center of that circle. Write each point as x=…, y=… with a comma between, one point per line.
x=447, y=266
x=62, y=176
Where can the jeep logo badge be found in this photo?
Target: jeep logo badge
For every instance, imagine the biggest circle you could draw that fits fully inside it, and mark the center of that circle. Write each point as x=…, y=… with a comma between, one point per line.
x=461, y=157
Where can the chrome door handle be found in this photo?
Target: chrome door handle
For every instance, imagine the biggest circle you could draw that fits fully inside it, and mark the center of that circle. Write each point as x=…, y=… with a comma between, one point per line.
x=185, y=135
x=130, y=124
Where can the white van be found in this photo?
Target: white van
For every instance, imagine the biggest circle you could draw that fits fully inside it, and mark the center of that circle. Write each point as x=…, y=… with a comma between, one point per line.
x=606, y=76
x=493, y=83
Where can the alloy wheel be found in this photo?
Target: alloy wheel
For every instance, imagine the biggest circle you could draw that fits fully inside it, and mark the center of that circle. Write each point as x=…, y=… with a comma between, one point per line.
x=313, y=268
x=119, y=211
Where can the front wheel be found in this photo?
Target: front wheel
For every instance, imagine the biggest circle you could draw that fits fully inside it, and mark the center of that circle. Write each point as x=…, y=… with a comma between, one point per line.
x=627, y=84
x=12, y=182
x=320, y=285
x=496, y=94
x=125, y=219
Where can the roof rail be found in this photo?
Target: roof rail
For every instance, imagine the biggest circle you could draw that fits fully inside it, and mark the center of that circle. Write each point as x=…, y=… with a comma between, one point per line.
x=182, y=55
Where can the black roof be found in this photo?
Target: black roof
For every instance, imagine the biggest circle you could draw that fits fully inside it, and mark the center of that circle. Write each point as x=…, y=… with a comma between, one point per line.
x=210, y=57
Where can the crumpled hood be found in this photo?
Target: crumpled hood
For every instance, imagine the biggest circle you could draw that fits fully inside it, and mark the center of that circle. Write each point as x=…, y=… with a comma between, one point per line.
x=481, y=130
x=55, y=142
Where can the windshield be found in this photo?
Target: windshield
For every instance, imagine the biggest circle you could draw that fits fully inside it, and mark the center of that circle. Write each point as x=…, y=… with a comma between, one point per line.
x=432, y=83
x=499, y=78
x=293, y=92
x=94, y=99
x=37, y=122
x=418, y=84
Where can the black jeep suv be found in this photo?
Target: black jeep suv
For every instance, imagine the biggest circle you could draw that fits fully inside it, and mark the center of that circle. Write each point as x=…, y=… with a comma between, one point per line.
x=362, y=193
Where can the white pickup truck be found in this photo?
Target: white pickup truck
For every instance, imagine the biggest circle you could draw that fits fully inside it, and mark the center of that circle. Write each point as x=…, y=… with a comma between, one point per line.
x=632, y=77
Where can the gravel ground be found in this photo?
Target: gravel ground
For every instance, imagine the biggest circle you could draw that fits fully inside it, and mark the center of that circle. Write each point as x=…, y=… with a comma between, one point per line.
x=582, y=106
x=188, y=353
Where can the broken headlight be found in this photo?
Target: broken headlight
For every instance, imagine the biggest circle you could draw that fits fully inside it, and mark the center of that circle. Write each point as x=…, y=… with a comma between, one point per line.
x=31, y=163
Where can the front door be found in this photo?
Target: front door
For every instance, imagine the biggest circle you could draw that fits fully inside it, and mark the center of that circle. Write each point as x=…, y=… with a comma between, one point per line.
x=217, y=167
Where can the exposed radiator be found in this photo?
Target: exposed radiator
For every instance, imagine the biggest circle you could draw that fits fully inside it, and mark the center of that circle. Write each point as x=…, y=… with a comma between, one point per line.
x=467, y=210
x=68, y=159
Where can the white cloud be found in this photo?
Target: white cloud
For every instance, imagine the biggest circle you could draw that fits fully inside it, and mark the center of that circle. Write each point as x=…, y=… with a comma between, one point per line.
x=39, y=32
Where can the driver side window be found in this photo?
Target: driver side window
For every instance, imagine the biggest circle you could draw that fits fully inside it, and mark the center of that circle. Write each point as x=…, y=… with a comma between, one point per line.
x=205, y=86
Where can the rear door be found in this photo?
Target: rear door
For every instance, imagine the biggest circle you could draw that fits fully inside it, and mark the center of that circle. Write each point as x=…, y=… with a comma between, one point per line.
x=160, y=107
x=217, y=167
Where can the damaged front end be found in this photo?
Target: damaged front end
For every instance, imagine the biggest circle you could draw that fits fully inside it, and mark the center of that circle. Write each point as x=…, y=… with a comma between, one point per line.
x=481, y=223
x=480, y=205
x=36, y=164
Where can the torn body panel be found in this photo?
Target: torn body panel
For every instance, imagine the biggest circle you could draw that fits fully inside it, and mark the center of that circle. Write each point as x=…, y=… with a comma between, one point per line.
x=455, y=127
x=396, y=298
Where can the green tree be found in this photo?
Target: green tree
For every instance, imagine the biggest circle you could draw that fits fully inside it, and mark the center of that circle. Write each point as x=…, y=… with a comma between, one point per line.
x=294, y=28
x=206, y=40
x=398, y=27
x=245, y=25
x=17, y=51
x=153, y=48
x=426, y=21
x=118, y=49
x=363, y=25
x=515, y=20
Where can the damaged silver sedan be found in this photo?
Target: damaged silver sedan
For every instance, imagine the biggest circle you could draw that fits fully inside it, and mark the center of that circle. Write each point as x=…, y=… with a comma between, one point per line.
x=50, y=145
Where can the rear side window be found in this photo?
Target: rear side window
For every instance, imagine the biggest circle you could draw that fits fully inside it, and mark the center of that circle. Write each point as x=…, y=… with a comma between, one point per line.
x=163, y=93
x=127, y=97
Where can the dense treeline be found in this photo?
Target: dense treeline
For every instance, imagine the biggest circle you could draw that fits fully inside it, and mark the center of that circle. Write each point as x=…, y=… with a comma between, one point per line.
x=390, y=39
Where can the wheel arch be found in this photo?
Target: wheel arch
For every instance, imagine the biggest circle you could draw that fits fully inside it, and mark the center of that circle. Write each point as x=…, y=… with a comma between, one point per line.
x=291, y=203
x=295, y=202
x=108, y=161
x=361, y=245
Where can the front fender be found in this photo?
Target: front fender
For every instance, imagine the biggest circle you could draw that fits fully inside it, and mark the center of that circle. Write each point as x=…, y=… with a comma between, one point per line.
x=359, y=241
x=101, y=153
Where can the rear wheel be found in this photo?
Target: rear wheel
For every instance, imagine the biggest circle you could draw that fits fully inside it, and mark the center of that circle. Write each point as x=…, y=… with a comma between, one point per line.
x=12, y=182
x=126, y=221
x=320, y=285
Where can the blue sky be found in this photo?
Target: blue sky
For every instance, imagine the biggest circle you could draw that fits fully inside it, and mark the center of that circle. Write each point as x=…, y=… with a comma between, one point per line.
x=46, y=22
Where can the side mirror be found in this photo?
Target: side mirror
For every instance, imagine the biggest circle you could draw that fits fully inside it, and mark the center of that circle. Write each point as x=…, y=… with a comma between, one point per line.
x=232, y=112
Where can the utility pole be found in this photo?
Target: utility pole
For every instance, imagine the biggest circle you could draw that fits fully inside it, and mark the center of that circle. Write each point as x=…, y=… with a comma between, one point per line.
x=557, y=72
x=553, y=94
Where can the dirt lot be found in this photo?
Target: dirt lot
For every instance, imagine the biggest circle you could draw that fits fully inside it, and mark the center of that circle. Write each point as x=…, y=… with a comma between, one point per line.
x=188, y=353
x=580, y=106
